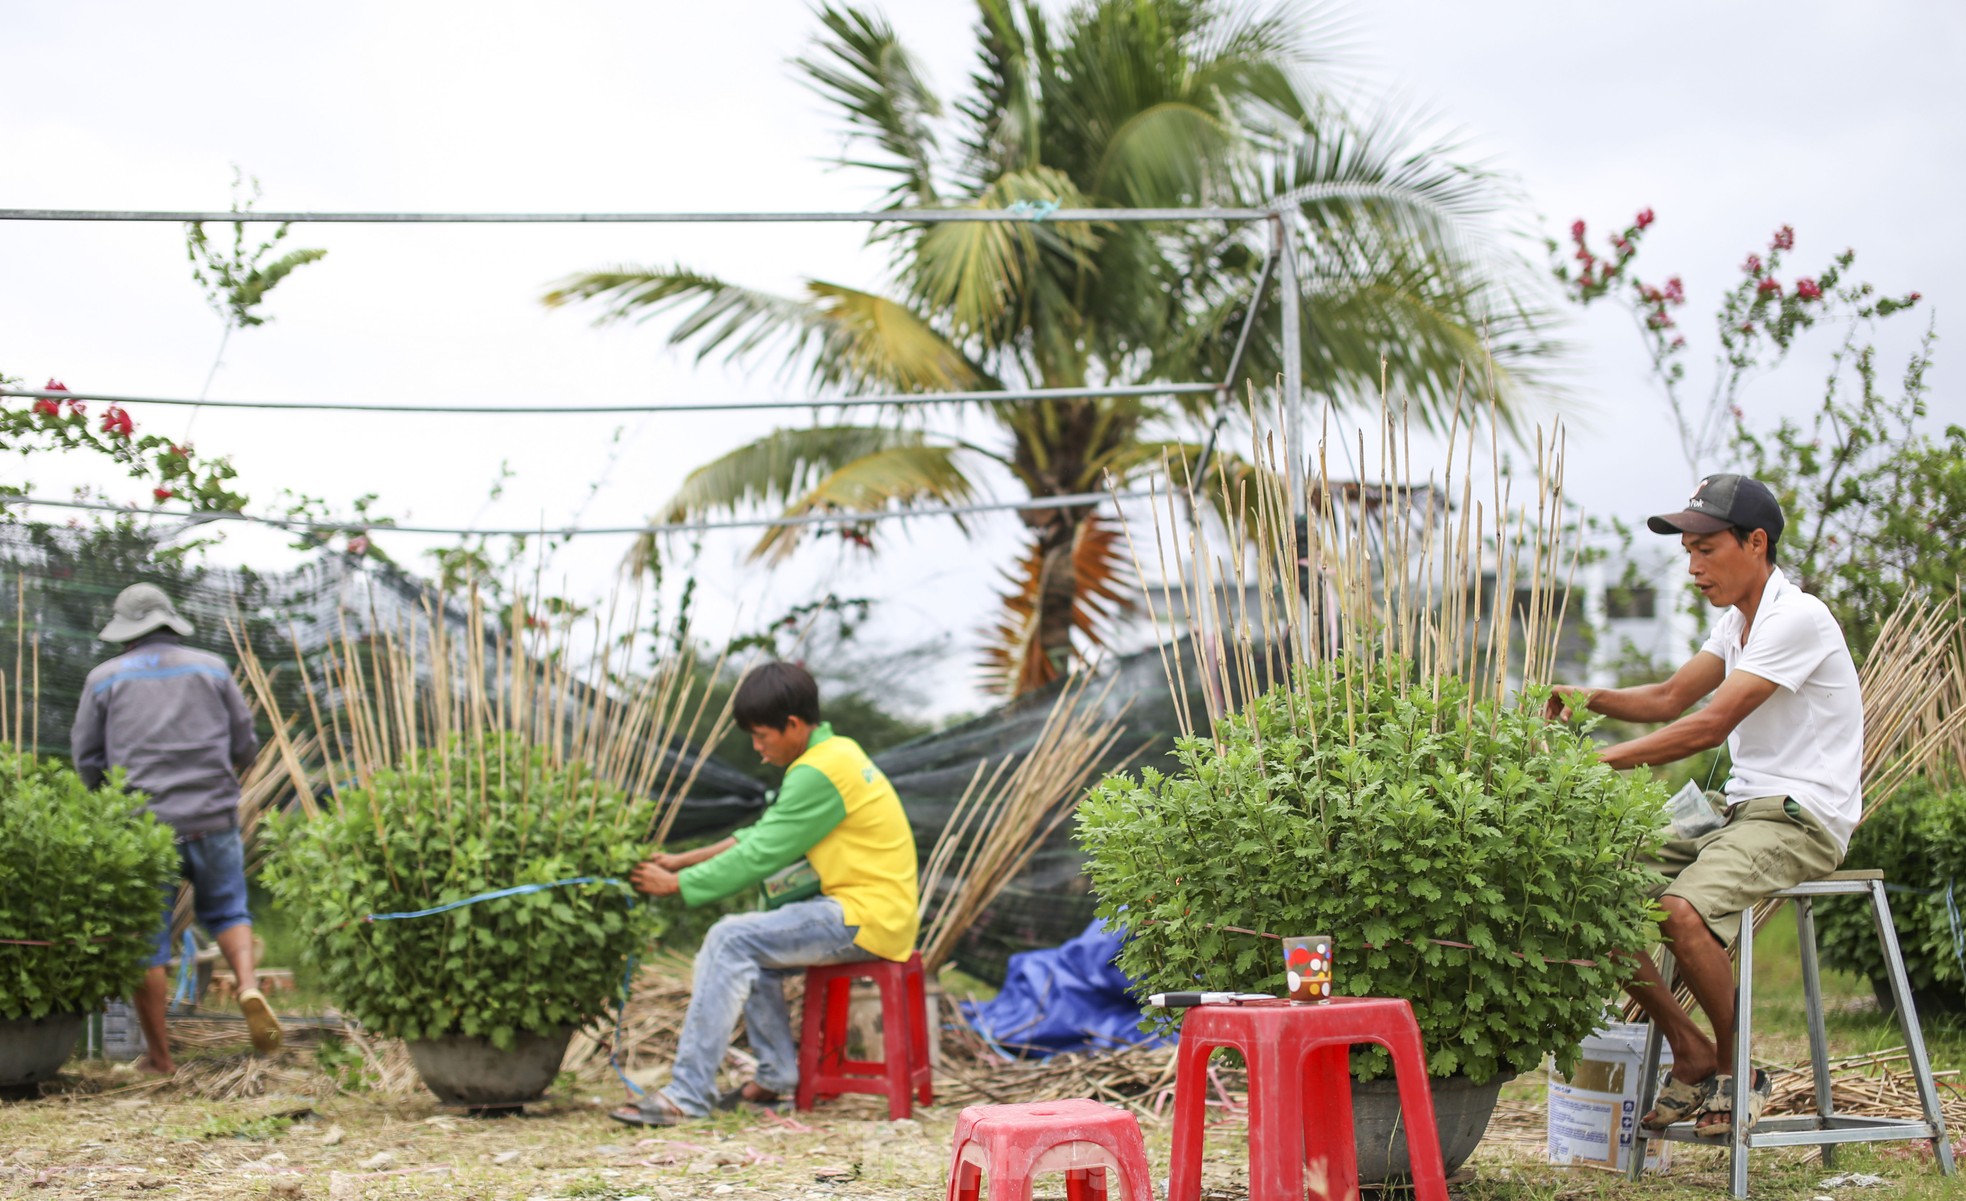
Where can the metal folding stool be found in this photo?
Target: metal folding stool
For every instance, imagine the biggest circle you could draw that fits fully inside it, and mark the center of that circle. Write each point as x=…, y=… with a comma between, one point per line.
x=1825, y=1128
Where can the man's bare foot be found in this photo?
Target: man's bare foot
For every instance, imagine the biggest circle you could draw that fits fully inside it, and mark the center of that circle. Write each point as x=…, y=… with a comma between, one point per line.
x=149, y=1065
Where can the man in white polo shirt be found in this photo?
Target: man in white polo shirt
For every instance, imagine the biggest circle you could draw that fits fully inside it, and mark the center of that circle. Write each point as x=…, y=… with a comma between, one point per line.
x=1786, y=703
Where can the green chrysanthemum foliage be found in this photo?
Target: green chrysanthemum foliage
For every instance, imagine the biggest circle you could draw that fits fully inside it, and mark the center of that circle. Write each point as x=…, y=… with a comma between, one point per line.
x=82, y=869
x=1387, y=812
x=469, y=821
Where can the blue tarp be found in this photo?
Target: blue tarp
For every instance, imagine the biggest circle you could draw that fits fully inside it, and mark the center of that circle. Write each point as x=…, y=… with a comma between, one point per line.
x=1064, y=998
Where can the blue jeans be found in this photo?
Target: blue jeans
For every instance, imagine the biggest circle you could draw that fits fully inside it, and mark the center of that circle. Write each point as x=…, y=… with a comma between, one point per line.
x=741, y=969
x=215, y=864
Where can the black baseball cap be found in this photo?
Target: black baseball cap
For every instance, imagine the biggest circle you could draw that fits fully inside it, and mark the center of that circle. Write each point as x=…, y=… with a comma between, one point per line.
x=1723, y=502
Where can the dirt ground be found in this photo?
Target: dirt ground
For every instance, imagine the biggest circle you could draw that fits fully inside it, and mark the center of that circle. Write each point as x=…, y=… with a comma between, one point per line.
x=100, y=1132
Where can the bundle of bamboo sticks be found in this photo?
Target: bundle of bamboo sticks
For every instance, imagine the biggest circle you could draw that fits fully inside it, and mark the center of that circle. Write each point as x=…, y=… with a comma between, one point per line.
x=1004, y=816
x=397, y=695
x=1477, y=589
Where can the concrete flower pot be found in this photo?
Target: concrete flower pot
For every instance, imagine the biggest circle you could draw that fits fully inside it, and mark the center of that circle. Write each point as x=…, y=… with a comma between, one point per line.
x=33, y=1049
x=464, y=1069
x=1461, y=1113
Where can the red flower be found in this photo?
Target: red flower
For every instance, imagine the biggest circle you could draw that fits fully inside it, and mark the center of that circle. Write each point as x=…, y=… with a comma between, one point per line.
x=1577, y=229
x=116, y=421
x=1752, y=266
x=48, y=404
x=1645, y=218
x=182, y=452
x=1679, y=342
x=1912, y=299
x=1784, y=238
x=1675, y=291
x=1623, y=246
x=1769, y=285
x=162, y=494
x=359, y=545
x=1808, y=289
x=1747, y=327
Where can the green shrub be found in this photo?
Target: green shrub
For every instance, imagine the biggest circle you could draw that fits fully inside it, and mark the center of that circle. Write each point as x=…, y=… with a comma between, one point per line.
x=84, y=870
x=456, y=825
x=1389, y=816
x=1918, y=840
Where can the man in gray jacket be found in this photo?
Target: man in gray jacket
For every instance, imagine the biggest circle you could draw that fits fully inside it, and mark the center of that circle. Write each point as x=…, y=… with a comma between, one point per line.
x=173, y=719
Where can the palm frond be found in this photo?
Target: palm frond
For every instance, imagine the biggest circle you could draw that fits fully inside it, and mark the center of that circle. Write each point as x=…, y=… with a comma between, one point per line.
x=1003, y=114
x=896, y=476
x=1015, y=659
x=846, y=337
x=981, y=272
x=844, y=468
x=864, y=71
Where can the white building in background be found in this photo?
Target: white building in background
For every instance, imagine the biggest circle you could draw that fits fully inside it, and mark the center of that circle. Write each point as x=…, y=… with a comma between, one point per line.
x=1638, y=603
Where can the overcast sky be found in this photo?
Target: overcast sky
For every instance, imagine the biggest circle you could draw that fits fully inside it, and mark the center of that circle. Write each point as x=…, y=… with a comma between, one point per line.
x=1729, y=120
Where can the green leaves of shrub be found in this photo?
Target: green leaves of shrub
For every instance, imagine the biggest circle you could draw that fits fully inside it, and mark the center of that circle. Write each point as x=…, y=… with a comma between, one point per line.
x=1918, y=839
x=84, y=870
x=458, y=824
x=1385, y=812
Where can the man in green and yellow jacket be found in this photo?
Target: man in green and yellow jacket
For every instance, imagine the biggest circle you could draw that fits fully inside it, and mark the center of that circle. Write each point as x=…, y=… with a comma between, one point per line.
x=837, y=812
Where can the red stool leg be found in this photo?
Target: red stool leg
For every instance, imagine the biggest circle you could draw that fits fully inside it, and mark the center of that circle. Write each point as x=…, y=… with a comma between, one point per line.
x=1276, y=1124
x=1190, y=1115
x=812, y=1035
x=1416, y=1107
x=964, y=1179
x=896, y=1041
x=1329, y=1144
x=919, y=1030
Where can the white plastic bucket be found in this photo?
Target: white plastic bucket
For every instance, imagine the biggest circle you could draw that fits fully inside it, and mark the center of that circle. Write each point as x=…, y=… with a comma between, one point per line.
x=1593, y=1112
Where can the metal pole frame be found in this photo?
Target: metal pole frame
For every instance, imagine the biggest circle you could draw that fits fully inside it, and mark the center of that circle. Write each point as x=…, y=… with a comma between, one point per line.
x=1020, y=212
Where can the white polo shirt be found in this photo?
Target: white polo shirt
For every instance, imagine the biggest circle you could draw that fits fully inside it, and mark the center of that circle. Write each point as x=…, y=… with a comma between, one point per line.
x=1806, y=741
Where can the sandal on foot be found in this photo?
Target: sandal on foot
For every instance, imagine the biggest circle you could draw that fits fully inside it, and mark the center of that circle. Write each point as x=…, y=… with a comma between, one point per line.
x=260, y=1022
x=735, y=1098
x=1680, y=1100
x=654, y=1109
x=1721, y=1108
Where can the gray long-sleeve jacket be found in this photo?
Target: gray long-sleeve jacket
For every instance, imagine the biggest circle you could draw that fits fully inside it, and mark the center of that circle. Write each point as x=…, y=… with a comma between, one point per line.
x=173, y=719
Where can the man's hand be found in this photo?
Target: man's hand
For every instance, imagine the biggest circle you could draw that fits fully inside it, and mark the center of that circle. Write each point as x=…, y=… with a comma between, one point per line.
x=652, y=878
x=672, y=861
x=1555, y=710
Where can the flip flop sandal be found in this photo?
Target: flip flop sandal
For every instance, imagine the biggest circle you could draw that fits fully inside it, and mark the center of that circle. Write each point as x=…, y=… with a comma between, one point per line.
x=1722, y=1106
x=1680, y=1100
x=652, y=1110
x=260, y=1022
x=735, y=1099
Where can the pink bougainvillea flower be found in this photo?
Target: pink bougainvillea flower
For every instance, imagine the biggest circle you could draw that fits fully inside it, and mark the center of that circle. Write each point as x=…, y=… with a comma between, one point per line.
x=1577, y=229
x=1645, y=218
x=1769, y=285
x=1808, y=289
x=1752, y=266
x=162, y=494
x=359, y=545
x=1784, y=238
x=1675, y=290
x=47, y=407
x=116, y=421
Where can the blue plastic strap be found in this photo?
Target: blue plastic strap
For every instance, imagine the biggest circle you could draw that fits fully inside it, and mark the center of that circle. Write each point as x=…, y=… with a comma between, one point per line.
x=515, y=891
x=1036, y=210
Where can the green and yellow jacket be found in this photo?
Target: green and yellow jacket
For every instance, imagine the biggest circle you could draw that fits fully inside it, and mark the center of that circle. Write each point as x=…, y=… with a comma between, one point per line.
x=838, y=811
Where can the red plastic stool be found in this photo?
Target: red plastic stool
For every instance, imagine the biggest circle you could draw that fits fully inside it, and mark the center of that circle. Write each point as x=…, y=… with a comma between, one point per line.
x=1013, y=1143
x=1300, y=1094
x=902, y=1072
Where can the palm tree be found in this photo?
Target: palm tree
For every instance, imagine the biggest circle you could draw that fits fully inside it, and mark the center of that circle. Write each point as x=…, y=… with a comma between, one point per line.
x=1117, y=103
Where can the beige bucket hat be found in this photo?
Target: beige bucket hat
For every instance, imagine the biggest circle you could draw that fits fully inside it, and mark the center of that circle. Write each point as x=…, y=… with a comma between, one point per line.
x=141, y=608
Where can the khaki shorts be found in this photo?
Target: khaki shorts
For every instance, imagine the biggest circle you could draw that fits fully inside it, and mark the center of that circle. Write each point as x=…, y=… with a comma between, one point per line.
x=1768, y=844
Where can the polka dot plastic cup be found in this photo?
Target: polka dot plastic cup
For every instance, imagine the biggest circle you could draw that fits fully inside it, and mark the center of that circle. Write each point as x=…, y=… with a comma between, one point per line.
x=1308, y=962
